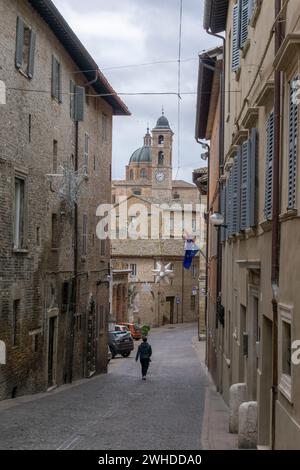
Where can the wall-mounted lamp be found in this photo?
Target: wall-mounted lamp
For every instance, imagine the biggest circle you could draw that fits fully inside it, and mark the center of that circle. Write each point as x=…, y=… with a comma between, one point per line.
x=217, y=220
x=106, y=281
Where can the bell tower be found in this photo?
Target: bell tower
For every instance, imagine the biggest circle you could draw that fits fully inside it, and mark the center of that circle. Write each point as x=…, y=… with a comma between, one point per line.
x=161, y=150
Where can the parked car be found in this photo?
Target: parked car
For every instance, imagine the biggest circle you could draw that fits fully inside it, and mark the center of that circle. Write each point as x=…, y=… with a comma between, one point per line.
x=121, y=327
x=135, y=330
x=109, y=354
x=120, y=342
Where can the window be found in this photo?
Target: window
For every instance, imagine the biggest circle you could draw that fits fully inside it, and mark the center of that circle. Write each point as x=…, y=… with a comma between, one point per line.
x=38, y=236
x=194, y=271
x=25, y=48
x=242, y=13
x=193, y=302
x=56, y=86
x=293, y=138
x=176, y=196
x=137, y=192
x=161, y=140
x=161, y=158
x=54, y=232
x=29, y=127
x=143, y=173
x=269, y=167
x=54, y=156
x=102, y=247
x=84, y=234
x=16, y=323
x=133, y=268
x=86, y=153
x=104, y=128
x=64, y=296
x=285, y=351
x=131, y=175
x=19, y=213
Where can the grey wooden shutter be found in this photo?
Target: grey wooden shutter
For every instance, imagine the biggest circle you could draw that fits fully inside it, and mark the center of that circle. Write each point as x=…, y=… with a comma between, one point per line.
x=269, y=167
x=235, y=53
x=235, y=183
x=253, y=182
x=227, y=221
x=223, y=212
x=244, y=18
x=19, y=42
x=79, y=103
x=239, y=186
x=31, y=54
x=293, y=137
x=230, y=205
x=59, y=82
x=244, y=184
x=54, y=78
x=72, y=99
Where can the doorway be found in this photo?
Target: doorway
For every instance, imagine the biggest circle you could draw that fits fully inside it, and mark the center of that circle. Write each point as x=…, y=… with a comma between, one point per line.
x=51, y=351
x=169, y=313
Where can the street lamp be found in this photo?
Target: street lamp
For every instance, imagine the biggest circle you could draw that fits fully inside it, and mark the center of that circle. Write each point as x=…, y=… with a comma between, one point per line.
x=217, y=220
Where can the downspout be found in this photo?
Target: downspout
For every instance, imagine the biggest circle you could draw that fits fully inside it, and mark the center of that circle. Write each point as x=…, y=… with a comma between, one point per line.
x=275, y=219
x=221, y=165
x=75, y=266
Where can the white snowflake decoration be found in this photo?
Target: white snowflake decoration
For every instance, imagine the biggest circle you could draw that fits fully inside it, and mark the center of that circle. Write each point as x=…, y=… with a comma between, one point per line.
x=147, y=289
x=163, y=273
x=71, y=184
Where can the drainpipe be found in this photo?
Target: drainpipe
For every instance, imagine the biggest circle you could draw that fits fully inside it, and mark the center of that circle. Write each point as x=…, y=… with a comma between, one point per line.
x=275, y=219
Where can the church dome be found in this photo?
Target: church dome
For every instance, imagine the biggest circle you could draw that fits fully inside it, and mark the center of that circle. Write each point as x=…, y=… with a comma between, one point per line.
x=142, y=154
x=162, y=123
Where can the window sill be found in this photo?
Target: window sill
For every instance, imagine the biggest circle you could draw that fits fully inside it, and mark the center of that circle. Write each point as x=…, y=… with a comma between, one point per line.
x=285, y=387
x=250, y=233
x=266, y=225
x=289, y=214
x=20, y=251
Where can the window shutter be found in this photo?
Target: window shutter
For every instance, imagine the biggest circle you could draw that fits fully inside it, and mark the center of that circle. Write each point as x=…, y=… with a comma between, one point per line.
x=31, y=54
x=244, y=185
x=223, y=191
x=72, y=99
x=227, y=221
x=19, y=42
x=79, y=103
x=269, y=167
x=235, y=59
x=293, y=137
x=244, y=15
x=239, y=185
x=253, y=183
x=235, y=197
x=54, y=80
x=230, y=204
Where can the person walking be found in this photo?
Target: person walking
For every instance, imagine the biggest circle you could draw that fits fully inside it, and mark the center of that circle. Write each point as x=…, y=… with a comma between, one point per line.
x=144, y=352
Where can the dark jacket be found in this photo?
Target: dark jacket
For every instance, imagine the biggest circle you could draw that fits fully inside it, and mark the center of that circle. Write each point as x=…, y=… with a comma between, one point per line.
x=144, y=351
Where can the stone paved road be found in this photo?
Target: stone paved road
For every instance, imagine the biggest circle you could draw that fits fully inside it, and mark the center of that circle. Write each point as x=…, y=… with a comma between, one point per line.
x=119, y=411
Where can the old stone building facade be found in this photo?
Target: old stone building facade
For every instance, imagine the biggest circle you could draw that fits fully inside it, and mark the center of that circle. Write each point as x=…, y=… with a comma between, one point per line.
x=53, y=305
x=149, y=184
x=258, y=191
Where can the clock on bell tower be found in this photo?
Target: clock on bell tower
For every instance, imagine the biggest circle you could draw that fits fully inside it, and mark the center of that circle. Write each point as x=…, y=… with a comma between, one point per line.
x=161, y=150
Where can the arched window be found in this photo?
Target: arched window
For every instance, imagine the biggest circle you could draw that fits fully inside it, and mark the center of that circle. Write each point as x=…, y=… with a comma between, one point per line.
x=161, y=140
x=143, y=173
x=131, y=175
x=161, y=158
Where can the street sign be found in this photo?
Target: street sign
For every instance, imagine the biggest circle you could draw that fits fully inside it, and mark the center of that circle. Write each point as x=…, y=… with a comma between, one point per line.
x=2, y=353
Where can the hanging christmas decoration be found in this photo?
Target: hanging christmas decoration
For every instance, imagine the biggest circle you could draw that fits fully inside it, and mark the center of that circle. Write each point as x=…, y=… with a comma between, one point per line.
x=163, y=273
x=147, y=289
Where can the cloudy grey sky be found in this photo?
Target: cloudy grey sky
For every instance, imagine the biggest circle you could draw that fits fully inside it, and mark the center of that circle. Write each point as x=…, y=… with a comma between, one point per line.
x=128, y=32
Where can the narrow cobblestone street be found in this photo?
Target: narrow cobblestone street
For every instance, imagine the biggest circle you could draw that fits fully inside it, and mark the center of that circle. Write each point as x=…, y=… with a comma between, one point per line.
x=119, y=411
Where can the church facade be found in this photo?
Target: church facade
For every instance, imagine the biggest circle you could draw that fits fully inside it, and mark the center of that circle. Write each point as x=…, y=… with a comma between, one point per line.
x=149, y=183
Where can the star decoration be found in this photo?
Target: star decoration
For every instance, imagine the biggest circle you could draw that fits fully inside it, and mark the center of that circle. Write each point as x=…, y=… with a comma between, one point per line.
x=163, y=273
x=147, y=288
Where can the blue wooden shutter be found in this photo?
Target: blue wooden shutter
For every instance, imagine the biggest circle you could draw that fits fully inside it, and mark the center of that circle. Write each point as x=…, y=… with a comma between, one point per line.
x=293, y=137
x=253, y=183
x=235, y=53
x=244, y=184
x=19, y=42
x=244, y=18
x=269, y=167
x=31, y=54
x=79, y=103
x=227, y=221
x=235, y=200
x=230, y=200
x=239, y=186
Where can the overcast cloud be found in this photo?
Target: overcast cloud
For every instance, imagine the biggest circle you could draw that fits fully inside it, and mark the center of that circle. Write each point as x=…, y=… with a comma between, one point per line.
x=125, y=32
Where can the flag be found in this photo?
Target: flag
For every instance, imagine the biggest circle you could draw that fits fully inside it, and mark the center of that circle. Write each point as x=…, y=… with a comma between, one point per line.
x=191, y=249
